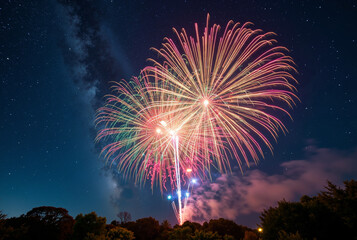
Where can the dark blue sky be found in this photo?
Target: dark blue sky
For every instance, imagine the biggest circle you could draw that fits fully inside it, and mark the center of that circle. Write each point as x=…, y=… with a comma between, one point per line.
x=56, y=61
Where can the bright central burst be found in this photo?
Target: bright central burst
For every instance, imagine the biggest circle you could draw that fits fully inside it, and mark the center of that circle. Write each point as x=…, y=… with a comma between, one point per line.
x=205, y=102
x=213, y=100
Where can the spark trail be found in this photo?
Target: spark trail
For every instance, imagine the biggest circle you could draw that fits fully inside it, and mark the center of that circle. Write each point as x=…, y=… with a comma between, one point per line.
x=209, y=99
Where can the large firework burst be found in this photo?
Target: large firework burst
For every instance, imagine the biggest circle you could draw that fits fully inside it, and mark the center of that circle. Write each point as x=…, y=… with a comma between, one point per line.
x=141, y=124
x=232, y=87
x=214, y=98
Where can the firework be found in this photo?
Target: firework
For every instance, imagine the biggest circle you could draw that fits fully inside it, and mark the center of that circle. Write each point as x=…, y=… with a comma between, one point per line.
x=214, y=98
x=141, y=126
x=232, y=87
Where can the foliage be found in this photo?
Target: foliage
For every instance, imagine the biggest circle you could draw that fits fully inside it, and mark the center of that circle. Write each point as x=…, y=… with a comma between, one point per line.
x=342, y=201
x=165, y=225
x=180, y=233
x=224, y=226
x=49, y=223
x=14, y=228
x=249, y=235
x=2, y=215
x=115, y=223
x=92, y=227
x=92, y=236
x=194, y=231
x=119, y=233
x=144, y=228
x=193, y=225
x=165, y=229
x=203, y=235
x=39, y=223
x=4, y=230
x=289, y=236
x=330, y=215
x=228, y=237
x=89, y=226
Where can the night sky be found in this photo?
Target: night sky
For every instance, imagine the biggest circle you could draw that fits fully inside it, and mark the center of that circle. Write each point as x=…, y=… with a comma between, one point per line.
x=58, y=57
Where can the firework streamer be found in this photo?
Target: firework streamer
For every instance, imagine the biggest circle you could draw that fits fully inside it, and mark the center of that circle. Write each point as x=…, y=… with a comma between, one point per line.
x=232, y=89
x=208, y=100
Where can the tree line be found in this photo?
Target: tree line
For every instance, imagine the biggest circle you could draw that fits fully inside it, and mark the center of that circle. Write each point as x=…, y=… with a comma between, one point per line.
x=55, y=223
x=332, y=214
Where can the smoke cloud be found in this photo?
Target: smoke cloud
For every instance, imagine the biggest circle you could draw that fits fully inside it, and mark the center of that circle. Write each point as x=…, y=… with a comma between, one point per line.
x=235, y=195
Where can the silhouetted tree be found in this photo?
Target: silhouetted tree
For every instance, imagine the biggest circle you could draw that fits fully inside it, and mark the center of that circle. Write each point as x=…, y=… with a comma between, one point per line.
x=4, y=230
x=165, y=229
x=165, y=225
x=224, y=226
x=119, y=233
x=39, y=223
x=321, y=217
x=124, y=217
x=89, y=226
x=203, y=235
x=92, y=236
x=14, y=228
x=289, y=236
x=180, y=233
x=287, y=216
x=130, y=226
x=115, y=223
x=193, y=225
x=144, y=228
x=342, y=201
x=250, y=235
x=228, y=237
x=55, y=223
x=48, y=223
x=2, y=215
